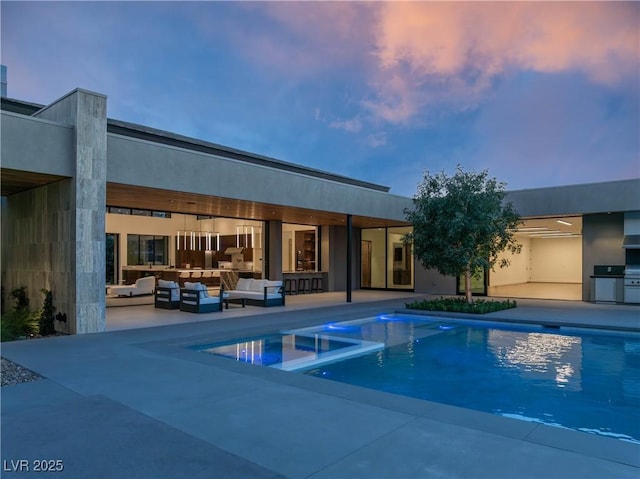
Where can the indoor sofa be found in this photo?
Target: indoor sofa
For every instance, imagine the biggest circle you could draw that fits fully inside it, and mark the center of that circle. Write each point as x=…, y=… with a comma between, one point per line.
x=142, y=286
x=194, y=298
x=258, y=292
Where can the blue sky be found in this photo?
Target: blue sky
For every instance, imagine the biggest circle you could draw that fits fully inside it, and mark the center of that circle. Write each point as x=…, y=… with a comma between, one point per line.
x=540, y=94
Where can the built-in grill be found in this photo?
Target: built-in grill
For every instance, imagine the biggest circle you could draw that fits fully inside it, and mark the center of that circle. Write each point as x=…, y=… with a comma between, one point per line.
x=632, y=284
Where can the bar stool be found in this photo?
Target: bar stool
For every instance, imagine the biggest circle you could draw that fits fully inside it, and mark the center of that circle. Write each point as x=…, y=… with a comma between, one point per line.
x=206, y=277
x=290, y=286
x=304, y=285
x=316, y=285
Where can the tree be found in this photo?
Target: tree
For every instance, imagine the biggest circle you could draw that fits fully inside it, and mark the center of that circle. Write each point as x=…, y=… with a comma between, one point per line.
x=461, y=224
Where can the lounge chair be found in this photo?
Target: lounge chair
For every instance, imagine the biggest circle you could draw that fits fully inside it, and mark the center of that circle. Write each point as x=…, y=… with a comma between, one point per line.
x=142, y=286
x=167, y=295
x=194, y=298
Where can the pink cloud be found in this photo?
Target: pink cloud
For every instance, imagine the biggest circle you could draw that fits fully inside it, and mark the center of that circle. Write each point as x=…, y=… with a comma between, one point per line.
x=456, y=49
x=306, y=38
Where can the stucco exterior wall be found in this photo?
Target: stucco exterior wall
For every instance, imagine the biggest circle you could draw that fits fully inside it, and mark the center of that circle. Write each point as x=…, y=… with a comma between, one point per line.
x=602, y=236
x=37, y=145
x=429, y=281
x=138, y=162
x=568, y=200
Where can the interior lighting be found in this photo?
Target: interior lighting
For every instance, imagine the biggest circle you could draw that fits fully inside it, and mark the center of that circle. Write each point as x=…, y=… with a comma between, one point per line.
x=563, y=222
x=245, y=230
x=197, y=240
x=556, y=235
x=561, y=235
x=531, y=228
x=545, y=232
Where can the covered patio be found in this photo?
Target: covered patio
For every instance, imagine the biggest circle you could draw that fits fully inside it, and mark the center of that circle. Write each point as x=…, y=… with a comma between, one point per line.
x=146, y=316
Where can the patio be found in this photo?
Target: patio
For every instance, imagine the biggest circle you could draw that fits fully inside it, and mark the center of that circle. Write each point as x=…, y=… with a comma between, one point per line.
x=137, y=403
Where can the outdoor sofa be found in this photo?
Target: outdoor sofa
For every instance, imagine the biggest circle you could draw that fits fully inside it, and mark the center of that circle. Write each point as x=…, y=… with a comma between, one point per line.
x=258, y=292
x=142, y=286
x=194, y=298
x=167, y=295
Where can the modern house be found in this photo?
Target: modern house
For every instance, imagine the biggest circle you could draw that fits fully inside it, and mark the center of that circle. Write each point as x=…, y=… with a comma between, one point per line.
x=89, y=201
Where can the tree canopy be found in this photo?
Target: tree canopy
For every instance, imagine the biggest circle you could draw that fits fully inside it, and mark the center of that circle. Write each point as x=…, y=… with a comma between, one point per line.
x=461, y=223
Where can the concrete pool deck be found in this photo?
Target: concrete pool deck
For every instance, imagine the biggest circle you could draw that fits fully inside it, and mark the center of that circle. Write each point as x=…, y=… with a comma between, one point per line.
x=135, y=403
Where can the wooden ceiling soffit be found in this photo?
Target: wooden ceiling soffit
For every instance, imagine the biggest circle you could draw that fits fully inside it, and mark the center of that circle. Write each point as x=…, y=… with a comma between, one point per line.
x=16, y=181
x=127, y=196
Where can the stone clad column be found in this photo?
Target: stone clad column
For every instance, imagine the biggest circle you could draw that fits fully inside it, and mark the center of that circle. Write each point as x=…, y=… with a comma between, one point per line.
x=85, y=258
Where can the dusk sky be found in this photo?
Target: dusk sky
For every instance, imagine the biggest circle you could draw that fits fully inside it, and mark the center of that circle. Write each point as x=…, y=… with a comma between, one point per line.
x=540, y=94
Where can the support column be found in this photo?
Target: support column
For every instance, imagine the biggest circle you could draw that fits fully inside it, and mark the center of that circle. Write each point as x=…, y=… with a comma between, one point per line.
x=349, y=255
x=84, y=267
x=273, y=250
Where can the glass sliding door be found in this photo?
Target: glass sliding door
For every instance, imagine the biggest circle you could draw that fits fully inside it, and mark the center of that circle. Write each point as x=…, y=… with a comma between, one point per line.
x=300, y=248
x=399, y=259
x=479, y=281
x=386, y=262
x=365, y=262
x=373, y=258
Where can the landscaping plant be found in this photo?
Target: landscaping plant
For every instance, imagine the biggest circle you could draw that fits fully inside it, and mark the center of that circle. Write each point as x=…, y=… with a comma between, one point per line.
x=20, y=322
x=46, y=314
x=461, y=224
x=461, y=305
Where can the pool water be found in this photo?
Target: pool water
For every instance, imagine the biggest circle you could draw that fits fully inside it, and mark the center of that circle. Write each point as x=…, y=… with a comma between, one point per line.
x=290, y=351
x=586, y=381
x=579, y=379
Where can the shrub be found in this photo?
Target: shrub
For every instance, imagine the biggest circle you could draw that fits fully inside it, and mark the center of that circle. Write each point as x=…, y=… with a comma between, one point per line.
x=460, y=305
x=46, y=314
x=20, y=297
x=18, y=323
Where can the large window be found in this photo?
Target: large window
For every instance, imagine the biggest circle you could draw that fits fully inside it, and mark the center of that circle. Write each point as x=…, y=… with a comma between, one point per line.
x=300, y=250
x=147, y=250
x=386, y=262
x=478, y=283
x=112, y=264
x=399, y=259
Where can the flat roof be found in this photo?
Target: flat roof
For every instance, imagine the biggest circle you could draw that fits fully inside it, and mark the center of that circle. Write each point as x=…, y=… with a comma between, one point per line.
x=147, y=133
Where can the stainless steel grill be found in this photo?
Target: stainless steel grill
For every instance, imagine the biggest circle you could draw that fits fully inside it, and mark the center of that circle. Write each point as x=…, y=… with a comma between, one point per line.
x=632, y=284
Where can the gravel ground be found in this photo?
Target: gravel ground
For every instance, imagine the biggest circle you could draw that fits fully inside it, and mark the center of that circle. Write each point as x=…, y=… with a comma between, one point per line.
x=15, y=374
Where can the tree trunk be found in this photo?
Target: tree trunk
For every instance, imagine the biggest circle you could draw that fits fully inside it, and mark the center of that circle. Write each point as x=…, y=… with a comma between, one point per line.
x=467, y=284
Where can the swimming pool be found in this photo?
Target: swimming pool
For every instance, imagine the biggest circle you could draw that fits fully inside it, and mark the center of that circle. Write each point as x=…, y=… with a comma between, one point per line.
x=583, y=380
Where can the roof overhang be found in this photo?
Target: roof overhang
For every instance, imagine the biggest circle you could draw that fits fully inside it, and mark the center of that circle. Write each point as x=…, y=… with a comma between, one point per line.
x=129, y=196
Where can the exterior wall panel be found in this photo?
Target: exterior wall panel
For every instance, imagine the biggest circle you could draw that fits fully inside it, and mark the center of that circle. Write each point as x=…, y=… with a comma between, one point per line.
x=569, y=200
x=35, y=145
x=601, y=244
x=143, y=163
